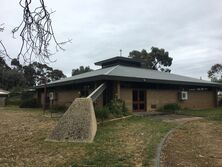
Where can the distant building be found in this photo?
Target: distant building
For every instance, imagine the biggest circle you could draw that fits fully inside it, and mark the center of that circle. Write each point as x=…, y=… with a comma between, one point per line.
x=3, y=95
x=141, y=89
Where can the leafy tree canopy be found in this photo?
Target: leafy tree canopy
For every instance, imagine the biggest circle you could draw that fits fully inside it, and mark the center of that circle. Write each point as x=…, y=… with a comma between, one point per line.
x=156, y=59
x=27, y=75
x=81, y=70
x=215, y=73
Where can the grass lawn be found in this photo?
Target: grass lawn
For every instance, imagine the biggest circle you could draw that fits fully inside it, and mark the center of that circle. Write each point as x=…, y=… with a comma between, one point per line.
x=210, y=114
x=129, y=142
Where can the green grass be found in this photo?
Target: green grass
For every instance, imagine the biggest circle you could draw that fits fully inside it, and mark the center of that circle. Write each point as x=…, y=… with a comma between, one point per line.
x=211, y=114
x=129, y=142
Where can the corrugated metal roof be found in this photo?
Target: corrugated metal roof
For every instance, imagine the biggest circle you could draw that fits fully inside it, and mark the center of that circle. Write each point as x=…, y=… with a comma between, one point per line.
x=103, y=71
x=126, y=73
x=153, y=75
x=119, y=58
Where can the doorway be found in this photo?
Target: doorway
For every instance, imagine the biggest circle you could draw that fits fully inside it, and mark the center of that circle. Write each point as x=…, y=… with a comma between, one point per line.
x=139, y=100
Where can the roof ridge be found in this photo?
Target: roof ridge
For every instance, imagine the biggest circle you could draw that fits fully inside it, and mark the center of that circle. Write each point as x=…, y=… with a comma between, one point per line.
x=111, y=70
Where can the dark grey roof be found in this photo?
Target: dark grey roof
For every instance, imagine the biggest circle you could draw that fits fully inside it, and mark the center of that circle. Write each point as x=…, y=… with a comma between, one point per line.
x=126, y=73
x=119, y=58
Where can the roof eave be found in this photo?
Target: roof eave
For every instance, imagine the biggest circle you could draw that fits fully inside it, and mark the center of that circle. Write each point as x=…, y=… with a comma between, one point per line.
x=77, y=81
x=145, y=80
x=129, y=79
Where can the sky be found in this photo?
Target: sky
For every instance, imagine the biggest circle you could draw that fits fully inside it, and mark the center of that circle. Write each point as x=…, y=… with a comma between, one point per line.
x=190, y=30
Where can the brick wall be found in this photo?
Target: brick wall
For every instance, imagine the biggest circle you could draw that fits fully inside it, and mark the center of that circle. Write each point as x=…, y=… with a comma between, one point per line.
x=196, y=99
x=66, y=97
x=199, y=100
x=62, y=97
x=126, y=95
x=157, y=98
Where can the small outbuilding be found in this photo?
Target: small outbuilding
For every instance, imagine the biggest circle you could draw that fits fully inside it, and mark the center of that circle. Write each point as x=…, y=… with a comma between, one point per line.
x=3, y=95
x=141, y=89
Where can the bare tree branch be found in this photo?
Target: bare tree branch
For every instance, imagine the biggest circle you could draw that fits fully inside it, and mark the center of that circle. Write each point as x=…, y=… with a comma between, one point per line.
x=36, y=32
x=3, y=51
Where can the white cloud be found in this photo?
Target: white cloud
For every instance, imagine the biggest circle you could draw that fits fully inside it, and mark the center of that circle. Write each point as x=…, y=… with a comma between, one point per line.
x=189, y=30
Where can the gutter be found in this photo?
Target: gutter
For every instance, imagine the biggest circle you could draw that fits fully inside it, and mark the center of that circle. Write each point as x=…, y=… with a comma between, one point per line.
x=129, y=79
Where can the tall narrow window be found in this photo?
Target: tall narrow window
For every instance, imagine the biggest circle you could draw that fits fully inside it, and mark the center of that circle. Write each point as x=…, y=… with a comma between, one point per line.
x=139, y=100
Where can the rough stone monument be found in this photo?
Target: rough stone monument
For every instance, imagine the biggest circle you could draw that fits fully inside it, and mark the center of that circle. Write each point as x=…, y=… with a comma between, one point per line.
x=78, y=124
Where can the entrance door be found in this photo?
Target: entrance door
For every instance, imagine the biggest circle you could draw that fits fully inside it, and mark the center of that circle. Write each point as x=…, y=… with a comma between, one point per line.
x=139, y=100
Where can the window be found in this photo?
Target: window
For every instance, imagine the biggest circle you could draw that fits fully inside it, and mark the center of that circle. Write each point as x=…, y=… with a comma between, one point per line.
x=139, y=100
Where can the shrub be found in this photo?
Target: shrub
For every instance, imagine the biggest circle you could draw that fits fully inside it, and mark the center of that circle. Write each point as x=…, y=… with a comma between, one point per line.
x=13, y=100
x=29, y=103
x=171, y=108
x=19, y=97
x=102, y=113
x=117, y=107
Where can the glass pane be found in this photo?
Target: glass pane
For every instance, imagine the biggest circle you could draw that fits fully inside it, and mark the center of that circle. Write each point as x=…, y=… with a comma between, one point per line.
x=142, y=106
x=142, y=96
x=135, y=107
x=135, y=96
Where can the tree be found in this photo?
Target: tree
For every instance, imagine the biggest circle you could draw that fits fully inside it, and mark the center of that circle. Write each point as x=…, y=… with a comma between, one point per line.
x=12, y=78
x=16, y=64
x=215, y=73
x=3, y=64
x=157, y=59
x=26, y=76
x=36, y=32
x=9, y=77
x=30, y=75
x=81, y=70
x=56, y=75
x=40, y=71
x=3, y=52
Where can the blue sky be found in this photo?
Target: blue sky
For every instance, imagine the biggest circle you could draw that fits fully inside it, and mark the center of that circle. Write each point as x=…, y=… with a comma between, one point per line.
x=190, y=30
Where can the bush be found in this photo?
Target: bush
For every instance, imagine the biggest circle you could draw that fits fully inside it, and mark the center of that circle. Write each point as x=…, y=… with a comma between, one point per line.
x=102, y=113
x=171, y=108
x=117, y=107
x=29, y=103
x=20, y=98
x=58, y=108
x=13, y=100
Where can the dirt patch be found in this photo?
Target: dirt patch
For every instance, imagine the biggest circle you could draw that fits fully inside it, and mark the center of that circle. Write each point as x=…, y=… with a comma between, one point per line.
x=22, y=137
x=195, y=144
